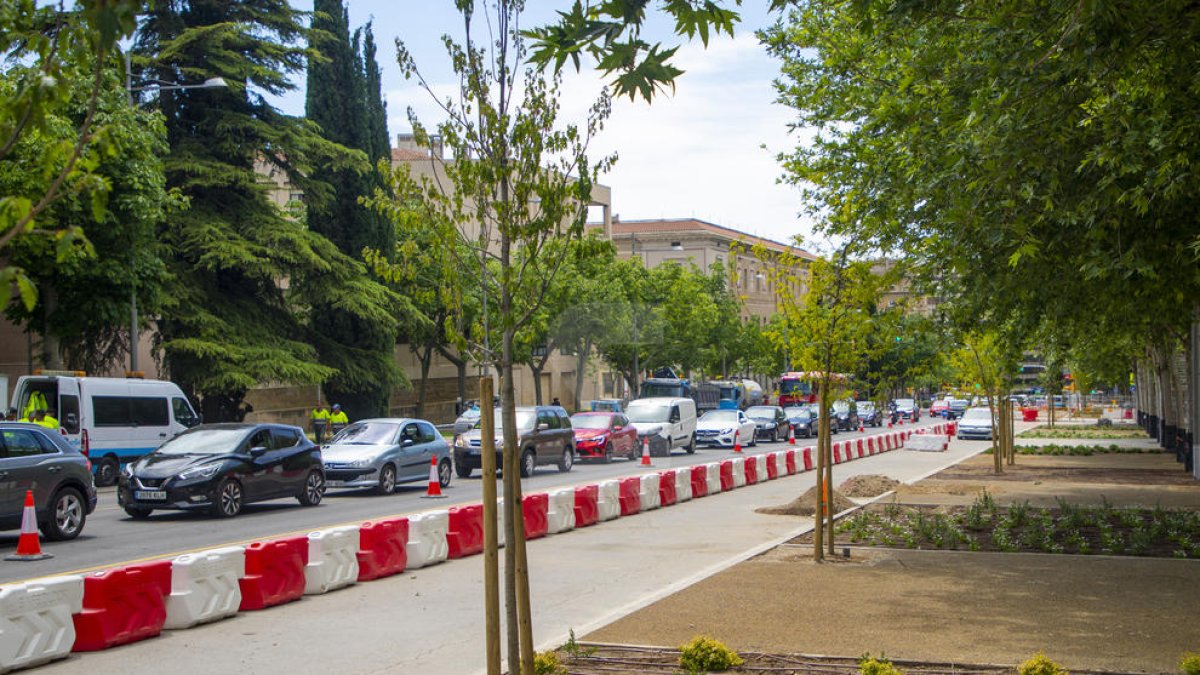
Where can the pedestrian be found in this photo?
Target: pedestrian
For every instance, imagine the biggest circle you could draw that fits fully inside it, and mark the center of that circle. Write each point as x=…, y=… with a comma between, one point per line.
x=337, y=419
x=10, y=415
x=320, y=421
x=43, y=418
x=556, y=402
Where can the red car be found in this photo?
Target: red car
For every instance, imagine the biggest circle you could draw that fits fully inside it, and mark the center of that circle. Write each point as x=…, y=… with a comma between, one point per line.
x=939, y=408
x=603, y=435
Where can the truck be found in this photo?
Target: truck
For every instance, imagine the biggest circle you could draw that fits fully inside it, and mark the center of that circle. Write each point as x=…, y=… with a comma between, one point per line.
x=706, y=394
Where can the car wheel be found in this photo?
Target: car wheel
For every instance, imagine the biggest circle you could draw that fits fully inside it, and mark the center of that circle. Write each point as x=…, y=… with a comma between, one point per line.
x=528, y=463
x=690, y=448
x=229, y=499
x=387, y=480
x=462, y=470
x=444, y=473
x=107, y=470
x=775, y=435
x=754, y=439
x=67, y=515
x=608, y=448
x=567, y=460
x=138, y=512
x=314, y=489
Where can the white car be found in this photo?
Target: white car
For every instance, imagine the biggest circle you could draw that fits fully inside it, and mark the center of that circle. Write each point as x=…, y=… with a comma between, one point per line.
x=718, y=427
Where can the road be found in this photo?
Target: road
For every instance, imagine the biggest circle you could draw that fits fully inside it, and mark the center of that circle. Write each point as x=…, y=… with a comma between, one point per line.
x=110, y=537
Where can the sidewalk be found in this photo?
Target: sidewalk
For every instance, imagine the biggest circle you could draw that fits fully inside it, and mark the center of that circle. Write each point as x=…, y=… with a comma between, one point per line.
x=431, y=620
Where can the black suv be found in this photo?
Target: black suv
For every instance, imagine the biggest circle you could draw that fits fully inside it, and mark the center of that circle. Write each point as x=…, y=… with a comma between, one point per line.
x=846, y=412
x=32, y=458
x=544, y=436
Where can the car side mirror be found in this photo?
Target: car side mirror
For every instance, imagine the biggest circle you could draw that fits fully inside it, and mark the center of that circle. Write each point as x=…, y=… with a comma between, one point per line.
x=258, y=451
x=542, y=426
x=406, y=443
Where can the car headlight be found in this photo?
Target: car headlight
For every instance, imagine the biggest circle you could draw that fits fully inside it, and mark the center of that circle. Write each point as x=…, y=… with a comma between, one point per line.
x=205, y=471
x=357, y=463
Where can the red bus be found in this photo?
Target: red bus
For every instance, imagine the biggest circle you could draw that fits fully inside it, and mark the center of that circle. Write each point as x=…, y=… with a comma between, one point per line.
x=796, y=388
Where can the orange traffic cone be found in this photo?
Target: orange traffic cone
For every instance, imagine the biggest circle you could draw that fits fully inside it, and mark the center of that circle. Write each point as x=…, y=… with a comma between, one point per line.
x=737, y=440
x=435, y=484
x=28, y=546
x=646, y=451
x=791, y=436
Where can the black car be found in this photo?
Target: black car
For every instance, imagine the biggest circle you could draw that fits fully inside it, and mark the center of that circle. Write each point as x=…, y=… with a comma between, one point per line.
x=802, y=420
x=770, y=422
x=869, y=415
x=846, y=412
x=815, y=409
x=34, y=458
x=905, y=409
x=223, y=467
x=958, y=406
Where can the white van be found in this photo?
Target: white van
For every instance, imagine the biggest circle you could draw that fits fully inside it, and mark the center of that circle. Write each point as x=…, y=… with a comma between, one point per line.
x=668, y=422
x=110, y=419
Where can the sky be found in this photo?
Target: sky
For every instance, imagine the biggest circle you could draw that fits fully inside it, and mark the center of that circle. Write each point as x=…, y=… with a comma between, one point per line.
x=708, y=150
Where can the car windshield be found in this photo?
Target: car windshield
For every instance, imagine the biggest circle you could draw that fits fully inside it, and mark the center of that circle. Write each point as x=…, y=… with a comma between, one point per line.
x=525, y=419
x=720, y=416
x=977, y=415
x=367, y=433
x=841, y=406
x=648, y=413
x=865, y=406
x=205, y=442
x=958, y=403
x=797, y=413
x=761, y=411
x=590, y=421
x=905, y=403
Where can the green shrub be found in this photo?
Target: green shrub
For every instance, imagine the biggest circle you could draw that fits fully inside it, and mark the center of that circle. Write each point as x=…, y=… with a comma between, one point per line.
x=869, y=665
x=1038, y=664
x=547, y=663
x=1190, y=663
x=704, y=654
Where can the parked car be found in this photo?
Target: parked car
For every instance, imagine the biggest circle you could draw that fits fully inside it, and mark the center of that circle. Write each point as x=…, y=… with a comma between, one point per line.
x=722, y=427
x=769, y=421
x=976, y=423
x=869, y=415
x=601, y=435
x=906, y=408
x=667, y=422
x=940, y=408
x=958, y=406
x=802, y=420
x=815, y=410
x=223, y=467
x=35, y=458
x=379, y=453
x=544, y=436
x=846, y=413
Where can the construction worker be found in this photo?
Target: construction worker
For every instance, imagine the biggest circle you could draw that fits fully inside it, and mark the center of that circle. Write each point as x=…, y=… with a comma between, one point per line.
x=10, y=415
x=36, y=400
x=43, y=418
x=337, y=419
x=320, y=421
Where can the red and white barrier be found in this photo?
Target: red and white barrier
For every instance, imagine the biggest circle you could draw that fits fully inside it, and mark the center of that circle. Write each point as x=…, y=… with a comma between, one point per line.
x=648, y=492
x=631, y=501
x=204, y=587
x=464, y=531
x=739, y=472
x=560, y=516
x=332, y=559
x=750, y=468
x=587, y=505
x=36, y=625
x=789, y=462
x=427, y=539
x=382, y=549
x=609, y=500
x=536, y=510
x=683, y=484
x=122, y=605
x=714, y=483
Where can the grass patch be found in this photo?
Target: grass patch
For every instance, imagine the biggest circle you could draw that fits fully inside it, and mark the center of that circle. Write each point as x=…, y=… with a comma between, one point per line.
x=1078, y=450
x=1099, y=433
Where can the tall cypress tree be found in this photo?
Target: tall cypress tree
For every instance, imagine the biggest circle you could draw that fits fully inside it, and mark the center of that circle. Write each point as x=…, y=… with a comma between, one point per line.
x=343, y=98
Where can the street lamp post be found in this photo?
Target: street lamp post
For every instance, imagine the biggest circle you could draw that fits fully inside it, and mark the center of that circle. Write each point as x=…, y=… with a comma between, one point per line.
x=130, y=89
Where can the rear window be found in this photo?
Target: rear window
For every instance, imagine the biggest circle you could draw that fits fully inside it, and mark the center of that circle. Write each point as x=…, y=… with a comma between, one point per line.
x=284, y=438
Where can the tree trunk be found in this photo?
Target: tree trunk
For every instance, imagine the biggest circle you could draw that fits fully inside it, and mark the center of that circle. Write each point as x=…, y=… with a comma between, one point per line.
x=581, y=360
x=425, y=357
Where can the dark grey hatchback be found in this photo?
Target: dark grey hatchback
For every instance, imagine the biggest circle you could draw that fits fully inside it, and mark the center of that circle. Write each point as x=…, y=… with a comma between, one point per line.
x=223, y=467
x=34, y=458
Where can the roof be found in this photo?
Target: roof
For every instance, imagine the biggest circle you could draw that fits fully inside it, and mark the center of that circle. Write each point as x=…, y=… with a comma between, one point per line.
x=408, y=154
x=693, y=225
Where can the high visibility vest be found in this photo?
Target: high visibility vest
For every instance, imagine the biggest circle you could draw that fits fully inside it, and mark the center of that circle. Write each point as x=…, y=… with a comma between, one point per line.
x=49, y=422
x=37, y=401
x=320, y=414
x=339, y=417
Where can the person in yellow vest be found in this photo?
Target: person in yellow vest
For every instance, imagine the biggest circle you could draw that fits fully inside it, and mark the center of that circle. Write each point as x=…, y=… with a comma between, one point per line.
x=37, y=400
x=320, y=422
x=45, y=419
x=337, y=419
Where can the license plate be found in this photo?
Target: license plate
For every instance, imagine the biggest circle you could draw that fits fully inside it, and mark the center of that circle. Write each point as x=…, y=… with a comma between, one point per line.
x=150, y=495
x=335, y=483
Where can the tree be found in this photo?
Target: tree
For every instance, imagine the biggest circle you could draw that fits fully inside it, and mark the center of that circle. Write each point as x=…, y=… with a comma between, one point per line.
x=986, y=364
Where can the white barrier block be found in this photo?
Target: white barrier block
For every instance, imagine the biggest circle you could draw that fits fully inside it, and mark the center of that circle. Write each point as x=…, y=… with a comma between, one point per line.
x=332, y=559
x=499, y=522
x=648, y=492
x=760, y=464
x=926, y=443
x=683, y=484
x=35, y=621
x=781, y=464
x=608, y=500
x=712, y=478
x=204, y=586
x=739, y=472
x=427, y=539
x=560, y=515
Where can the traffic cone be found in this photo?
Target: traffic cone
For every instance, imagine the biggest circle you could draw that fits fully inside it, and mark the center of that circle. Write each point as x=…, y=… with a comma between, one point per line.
x=791, y=436
x=434, y=491
x=646, y=451
x=28, y=546
x=860, y=427
x=737, y=440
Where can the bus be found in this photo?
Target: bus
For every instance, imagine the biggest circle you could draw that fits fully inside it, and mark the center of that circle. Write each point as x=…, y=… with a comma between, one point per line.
x=796, y=388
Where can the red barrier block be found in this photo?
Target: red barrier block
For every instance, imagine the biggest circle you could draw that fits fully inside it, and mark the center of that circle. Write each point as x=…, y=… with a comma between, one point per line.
x=789, y=461
x=122, y=605
x=871, y=446
x=666, y=488
x=587, y=505
x=699, y=481
x=808, y=459
x=772, y=469
x=837, y=453
x=861, y=449
x=631, y=495
x=383, y=548
x=274, y=572
x=536, y=509
x=726, y=475
x=465, y=532
x=951, y=428
x=751, y=470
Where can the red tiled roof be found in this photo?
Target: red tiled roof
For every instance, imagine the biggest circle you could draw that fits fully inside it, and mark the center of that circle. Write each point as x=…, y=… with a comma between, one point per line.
x=408, y=154
x=692, y=225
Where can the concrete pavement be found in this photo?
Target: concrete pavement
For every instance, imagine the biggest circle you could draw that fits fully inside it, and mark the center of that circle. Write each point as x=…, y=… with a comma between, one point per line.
x=431, y=620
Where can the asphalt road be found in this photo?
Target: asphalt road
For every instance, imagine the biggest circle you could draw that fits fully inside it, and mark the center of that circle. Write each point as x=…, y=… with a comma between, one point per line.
x=110, y=537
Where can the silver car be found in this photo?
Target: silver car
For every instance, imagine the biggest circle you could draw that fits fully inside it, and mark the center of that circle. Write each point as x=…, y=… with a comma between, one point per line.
x=379, y=453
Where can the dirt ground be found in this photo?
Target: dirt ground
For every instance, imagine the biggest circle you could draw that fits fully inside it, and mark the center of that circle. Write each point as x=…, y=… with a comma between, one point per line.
x=1086, y=612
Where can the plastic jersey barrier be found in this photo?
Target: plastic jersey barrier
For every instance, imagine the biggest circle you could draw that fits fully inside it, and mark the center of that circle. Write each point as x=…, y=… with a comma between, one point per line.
x=382, y=548
x=122, y=605
x=587, y=505
x=713, y=478
x=35, y=620
x=726, y=475
x=332, y=559
x=683, y=485
x=464, y=534
x=808, y=459
x=667, y=495
x=648, y=492
x=631, y=501
x=750, y=467
x=427, y=539
x=772, y=466
x=274, y=573
x=837, y=453
x=790, y=462
x=204, y=587
x=699, y=478
x=739, y=472
x=608, y=502
x=560, y=516
x=500, y=521
x=861, y=449
x=536, y=508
